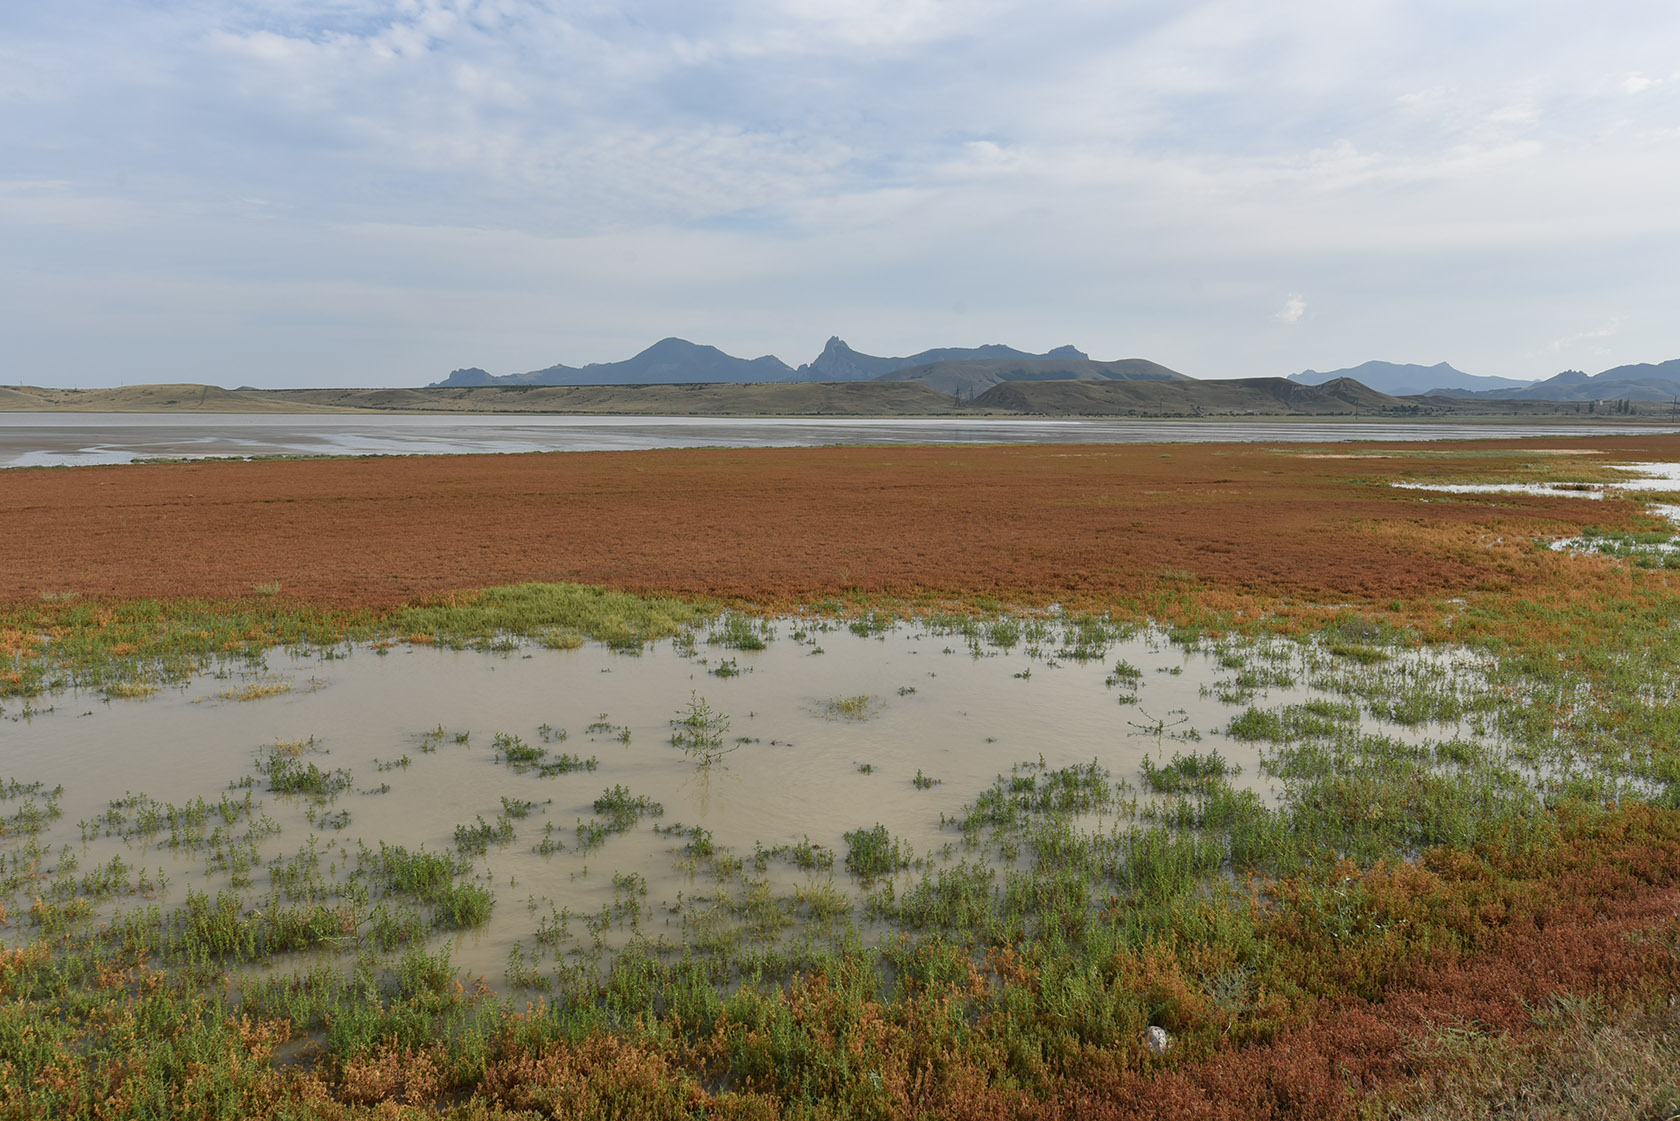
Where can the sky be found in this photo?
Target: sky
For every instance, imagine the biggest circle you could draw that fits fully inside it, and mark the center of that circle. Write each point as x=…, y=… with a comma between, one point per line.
x=349, y=192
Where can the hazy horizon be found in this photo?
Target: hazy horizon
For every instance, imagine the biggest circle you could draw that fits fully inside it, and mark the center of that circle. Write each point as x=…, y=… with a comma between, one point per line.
x=348, y=192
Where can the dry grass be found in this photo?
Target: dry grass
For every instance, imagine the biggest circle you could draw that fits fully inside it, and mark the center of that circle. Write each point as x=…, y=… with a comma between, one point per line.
x=859, y=707
x=1622, y=1068
x=256, y=691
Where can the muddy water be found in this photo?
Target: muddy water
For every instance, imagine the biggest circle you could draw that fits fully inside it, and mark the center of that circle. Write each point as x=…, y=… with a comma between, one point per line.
x=809, y=759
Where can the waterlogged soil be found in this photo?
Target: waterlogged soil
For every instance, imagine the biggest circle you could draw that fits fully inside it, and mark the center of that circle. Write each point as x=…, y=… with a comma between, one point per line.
x=827, y=732
x=1020, y=523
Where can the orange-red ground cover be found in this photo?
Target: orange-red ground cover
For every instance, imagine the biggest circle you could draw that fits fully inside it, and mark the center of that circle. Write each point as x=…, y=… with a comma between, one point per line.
x=772, y=525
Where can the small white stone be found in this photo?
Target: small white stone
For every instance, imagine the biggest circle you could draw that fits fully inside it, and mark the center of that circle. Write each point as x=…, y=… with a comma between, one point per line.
x=1157, y=1039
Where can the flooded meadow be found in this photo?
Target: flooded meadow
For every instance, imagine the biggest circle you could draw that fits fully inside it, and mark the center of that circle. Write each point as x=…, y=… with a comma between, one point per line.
x=557, y=849
x=746, y=795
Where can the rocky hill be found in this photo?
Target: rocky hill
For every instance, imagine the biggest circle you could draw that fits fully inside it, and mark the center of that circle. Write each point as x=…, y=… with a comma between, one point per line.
x=839, y=362
x=676, y=361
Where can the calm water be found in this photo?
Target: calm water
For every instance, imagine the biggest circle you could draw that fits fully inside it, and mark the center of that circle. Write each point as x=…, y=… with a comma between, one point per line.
x=68, y=439
x=828, y=730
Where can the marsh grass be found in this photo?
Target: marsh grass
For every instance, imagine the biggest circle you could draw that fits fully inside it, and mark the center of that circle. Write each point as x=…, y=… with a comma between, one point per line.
x=1072, y=909
x=620, y=620
x=76, y=642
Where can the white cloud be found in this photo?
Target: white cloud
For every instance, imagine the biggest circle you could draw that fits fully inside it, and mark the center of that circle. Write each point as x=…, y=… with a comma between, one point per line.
x=810, y=166
x=1567, y=341
x=1292, y=310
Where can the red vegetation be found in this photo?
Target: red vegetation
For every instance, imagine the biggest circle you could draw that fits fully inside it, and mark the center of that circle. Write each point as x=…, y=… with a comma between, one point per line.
x=774, y=525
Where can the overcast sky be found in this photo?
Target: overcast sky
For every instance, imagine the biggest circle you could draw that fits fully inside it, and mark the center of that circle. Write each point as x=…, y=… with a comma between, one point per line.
x=350, y=192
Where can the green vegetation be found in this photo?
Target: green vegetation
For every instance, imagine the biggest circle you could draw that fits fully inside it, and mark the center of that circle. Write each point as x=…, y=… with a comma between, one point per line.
x=741, y=632
x=875, y=852
x=523, y=757
x=1429, y=813
x=616, y=811
x=699, y=732
x=288, y=774
x=127, y=649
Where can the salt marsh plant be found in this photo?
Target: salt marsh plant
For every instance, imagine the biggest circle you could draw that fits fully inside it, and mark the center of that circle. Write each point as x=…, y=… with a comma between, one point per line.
x=623, y=809
x=700, y=732
x=603, y=726
x=1186, y=773
x=288, y=774
x=1087, y=637
x=741, y=632
x=617, y=810
x=476, y=837
x=515, y=752
x=463, y=907
x=875, y=852
x=523, y=757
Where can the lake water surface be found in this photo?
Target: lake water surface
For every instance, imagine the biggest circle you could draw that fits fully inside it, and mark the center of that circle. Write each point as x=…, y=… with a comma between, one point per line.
x=69, y=439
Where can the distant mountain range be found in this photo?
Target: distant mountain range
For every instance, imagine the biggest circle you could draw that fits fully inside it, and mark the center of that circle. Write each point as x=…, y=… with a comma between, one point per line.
x=1644, y=381
x=668, y=361
x=966, y=379
x=953, y=369
x=972, y=373
x=839, y=362
x=1405, y=380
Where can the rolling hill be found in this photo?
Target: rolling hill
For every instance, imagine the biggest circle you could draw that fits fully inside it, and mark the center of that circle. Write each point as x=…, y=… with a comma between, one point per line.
x=1645, y=381
x=1188, y=397
x=975, y=376
x=1404, y=379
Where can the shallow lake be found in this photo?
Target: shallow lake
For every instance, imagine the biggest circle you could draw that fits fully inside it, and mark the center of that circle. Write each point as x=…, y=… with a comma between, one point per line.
x=499, y=759
x=68, y=439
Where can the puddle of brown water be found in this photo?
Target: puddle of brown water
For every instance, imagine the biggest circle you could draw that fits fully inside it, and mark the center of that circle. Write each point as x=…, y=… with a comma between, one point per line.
x=932, y=707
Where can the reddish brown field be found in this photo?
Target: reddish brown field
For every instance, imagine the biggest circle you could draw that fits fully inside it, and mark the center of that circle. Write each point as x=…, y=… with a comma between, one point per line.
x=1219, y=527
x=1033, y=523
